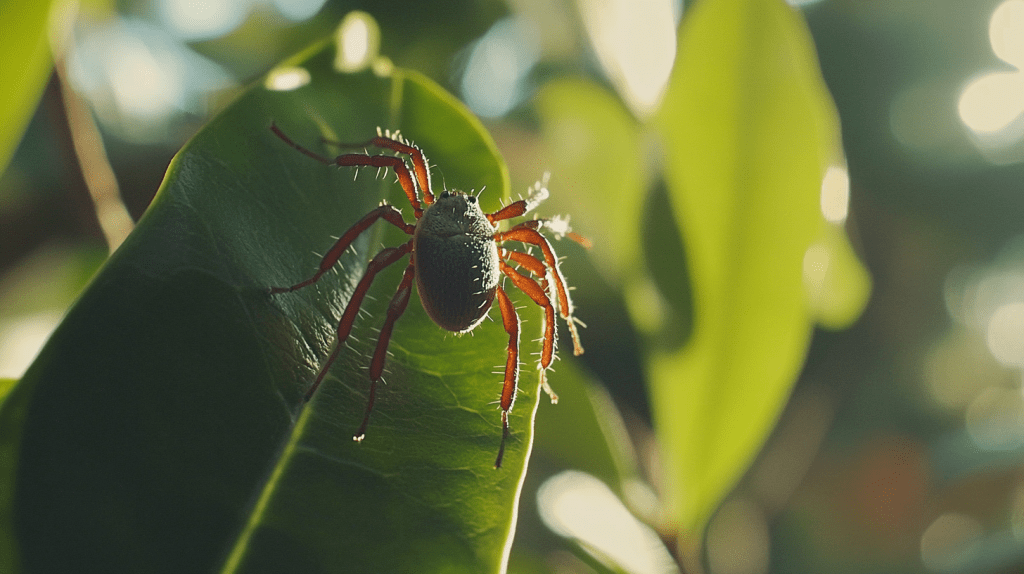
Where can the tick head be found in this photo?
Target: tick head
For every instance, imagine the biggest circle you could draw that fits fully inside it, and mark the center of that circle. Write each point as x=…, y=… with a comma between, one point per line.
x=456, y=197
x=455, y=212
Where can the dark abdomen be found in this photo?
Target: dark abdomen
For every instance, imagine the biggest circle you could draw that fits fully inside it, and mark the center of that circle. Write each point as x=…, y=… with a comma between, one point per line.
x=457, y=277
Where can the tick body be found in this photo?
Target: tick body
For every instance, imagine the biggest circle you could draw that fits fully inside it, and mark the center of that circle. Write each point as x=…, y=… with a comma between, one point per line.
x=457, y=258
x=457, y=262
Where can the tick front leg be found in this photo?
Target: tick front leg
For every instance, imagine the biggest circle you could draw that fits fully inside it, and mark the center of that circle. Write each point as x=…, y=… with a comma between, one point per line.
x=395, y=163
x=395, y=309
x=535, y=195
x=388, y=213
x=388, y=141
x=510, y=319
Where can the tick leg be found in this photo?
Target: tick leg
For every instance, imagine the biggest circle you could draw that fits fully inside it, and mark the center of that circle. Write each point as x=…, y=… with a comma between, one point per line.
x=540, y=271
x=534, y=265
x=526, y=232
x=538, y=193
x=510, y=319
x=309, y=153
x=363, y=160
x=538, y=293
x=395, y=309
x=514, y=209
x=419, y=161
x=388, y=213
x=380, y=261
x=395, y=163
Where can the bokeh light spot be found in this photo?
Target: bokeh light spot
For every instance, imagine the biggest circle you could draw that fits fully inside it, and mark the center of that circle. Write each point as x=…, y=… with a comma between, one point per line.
x=835, y=194
x=1005, y=334
x=358, y=40
x=995, y=419
x=991, y=102
x=298, y=10
x=638, y=69
x=576, y=505
x=498, y=65
x=203, y=19
x=949, y=542
x=287, y=78
x=1006, y=32
x=142, y=87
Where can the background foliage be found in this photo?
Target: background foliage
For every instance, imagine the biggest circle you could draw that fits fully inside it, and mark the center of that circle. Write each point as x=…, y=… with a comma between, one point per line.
x=717, y=250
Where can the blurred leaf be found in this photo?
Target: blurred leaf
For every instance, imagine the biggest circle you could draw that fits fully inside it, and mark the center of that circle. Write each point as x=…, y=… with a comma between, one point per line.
x=26, y=66
x=5, y=388
x=592, y=148
x=162, y=428
x=838, y=284
x=585, y=431
x=749, y=130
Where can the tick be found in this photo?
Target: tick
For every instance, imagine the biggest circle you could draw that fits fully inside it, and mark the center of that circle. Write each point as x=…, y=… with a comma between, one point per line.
x=457, y=258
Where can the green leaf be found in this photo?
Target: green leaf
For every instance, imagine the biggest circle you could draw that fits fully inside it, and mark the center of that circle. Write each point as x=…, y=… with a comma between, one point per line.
x=838, y=285
x=5, y=388
x=749, y=131
x=585, y=431
x=26, y=65
x=163, y=424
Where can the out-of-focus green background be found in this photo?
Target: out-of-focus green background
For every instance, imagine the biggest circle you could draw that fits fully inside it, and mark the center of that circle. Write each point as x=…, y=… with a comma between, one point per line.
x=902, y=446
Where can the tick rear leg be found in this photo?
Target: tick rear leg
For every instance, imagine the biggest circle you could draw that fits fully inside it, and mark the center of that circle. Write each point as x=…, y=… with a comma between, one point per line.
x=386, y=212
x=395, y=309
x=383, y=259
x=539, y=295
x=510, y=319
x=526, y=232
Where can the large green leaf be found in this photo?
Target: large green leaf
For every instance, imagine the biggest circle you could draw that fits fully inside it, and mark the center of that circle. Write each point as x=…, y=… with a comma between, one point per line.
x=749, y=131
x=162, y=428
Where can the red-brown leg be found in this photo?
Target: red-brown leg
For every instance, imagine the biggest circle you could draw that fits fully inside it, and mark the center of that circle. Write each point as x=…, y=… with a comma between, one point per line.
x=395, y=163
x=388, y=213
x=383, y=259
x=526, y=232
x=537, y=194
x=510, y=319
x=363, y=160
x=539, y=295
x=419, y=161
x=531, y=263
x=395, y=309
